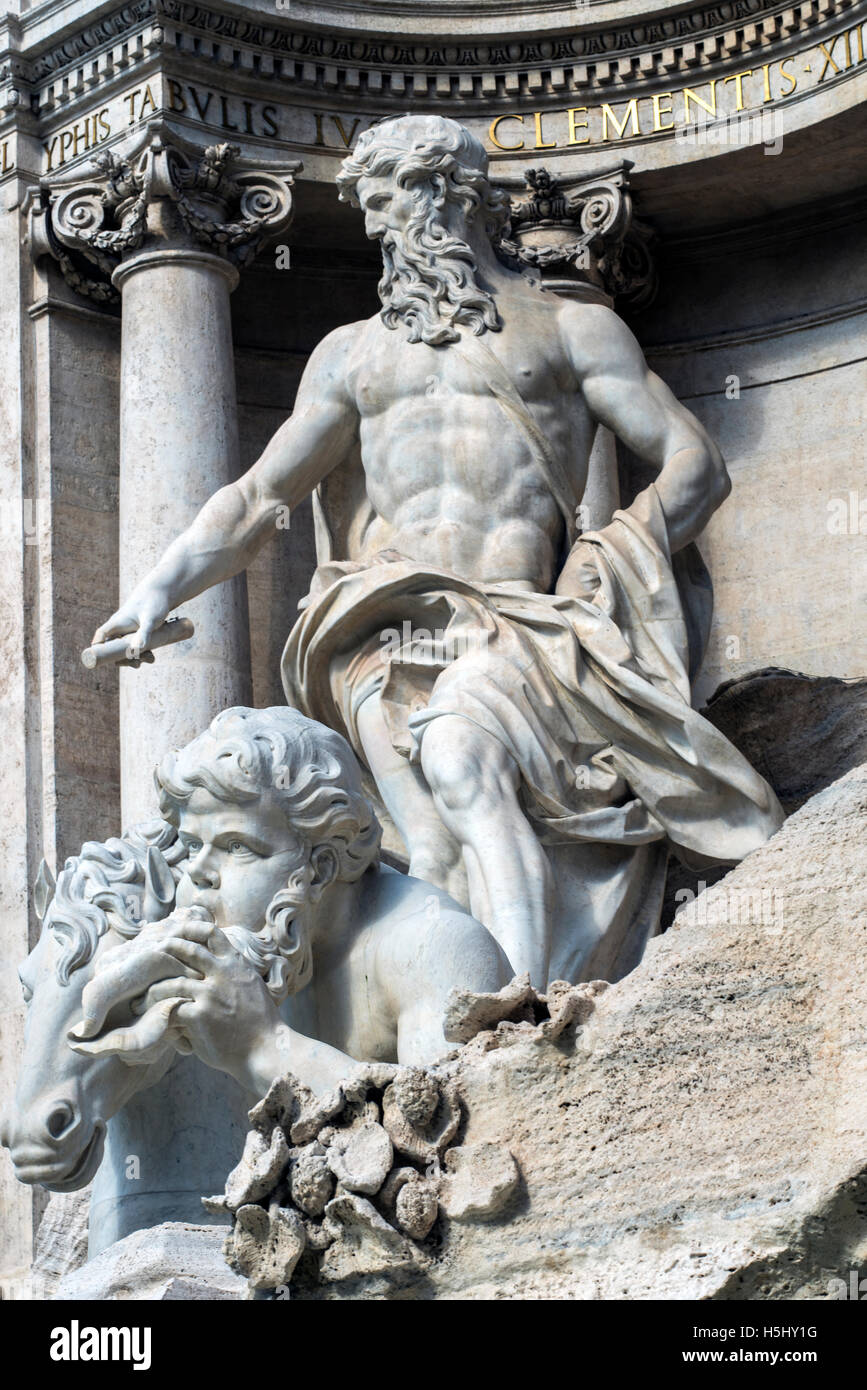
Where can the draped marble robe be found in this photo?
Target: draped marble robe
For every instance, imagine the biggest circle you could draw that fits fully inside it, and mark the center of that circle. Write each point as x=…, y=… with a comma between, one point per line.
x=588, y=688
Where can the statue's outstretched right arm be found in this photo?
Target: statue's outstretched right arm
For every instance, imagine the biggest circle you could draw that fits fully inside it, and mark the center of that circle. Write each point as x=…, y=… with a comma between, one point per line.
x=234, y=524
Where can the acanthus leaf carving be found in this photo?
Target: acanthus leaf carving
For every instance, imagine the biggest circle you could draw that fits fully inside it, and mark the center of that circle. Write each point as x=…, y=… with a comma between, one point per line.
x=263, y=199
x=585, y=233
x=220, y=204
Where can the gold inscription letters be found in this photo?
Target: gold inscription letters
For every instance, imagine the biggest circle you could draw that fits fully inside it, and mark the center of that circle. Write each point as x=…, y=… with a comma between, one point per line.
x=660, y=112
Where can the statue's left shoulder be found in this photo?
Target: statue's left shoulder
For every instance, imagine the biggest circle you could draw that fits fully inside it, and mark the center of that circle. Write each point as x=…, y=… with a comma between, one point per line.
x=431, y=942
x=595, y=338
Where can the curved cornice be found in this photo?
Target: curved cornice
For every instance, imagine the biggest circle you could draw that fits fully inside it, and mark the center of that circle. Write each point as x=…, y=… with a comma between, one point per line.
x=632, y=54
x=226, y=70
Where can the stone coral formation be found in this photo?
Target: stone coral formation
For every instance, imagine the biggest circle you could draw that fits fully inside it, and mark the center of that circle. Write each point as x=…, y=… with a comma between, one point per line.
x=356, y=1179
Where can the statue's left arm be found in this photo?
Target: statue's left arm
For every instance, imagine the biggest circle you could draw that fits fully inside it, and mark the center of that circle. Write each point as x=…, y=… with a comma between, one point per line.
x=622, y=393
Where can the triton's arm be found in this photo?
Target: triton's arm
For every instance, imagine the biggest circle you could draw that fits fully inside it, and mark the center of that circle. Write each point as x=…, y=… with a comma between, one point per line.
x=234, y=523
x=429, y=955
x=623, y=393
x=189, y=988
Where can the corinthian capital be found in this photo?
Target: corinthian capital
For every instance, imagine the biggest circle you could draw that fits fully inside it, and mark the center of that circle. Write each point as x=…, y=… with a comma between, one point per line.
x=168, y=194
x=583, y=236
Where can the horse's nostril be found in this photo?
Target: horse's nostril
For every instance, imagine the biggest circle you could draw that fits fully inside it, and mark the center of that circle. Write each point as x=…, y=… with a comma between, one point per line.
x=60, y=1119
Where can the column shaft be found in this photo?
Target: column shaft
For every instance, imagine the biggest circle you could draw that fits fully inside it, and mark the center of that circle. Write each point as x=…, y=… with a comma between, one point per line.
x=179, y=444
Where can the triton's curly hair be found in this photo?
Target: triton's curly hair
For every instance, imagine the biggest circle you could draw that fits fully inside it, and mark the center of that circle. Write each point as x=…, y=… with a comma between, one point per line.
x=316, y=779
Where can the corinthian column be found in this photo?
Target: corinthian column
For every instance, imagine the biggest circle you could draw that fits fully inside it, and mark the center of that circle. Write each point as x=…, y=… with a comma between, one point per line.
x=584, y=242
x=170, y=229
x=178, y=445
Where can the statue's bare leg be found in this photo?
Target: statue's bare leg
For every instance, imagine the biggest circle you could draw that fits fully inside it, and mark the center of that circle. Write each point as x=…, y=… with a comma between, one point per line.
x=474, y=781
x=434, y=855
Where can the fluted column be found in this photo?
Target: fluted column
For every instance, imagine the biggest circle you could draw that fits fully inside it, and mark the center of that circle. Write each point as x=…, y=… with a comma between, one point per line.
x=178, y=445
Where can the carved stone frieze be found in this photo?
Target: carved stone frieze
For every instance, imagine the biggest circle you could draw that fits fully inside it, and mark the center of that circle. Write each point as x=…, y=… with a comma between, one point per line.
x=470, y=68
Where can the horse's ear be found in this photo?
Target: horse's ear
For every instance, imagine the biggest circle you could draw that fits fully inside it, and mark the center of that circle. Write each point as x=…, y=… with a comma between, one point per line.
x=159, y=894
x=43, y=889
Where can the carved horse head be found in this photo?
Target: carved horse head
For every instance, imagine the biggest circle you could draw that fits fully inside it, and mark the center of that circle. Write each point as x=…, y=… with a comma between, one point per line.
x=55, y=1130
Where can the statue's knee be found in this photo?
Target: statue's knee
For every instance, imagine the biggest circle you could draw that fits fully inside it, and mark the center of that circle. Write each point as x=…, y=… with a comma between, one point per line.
x=463, y=766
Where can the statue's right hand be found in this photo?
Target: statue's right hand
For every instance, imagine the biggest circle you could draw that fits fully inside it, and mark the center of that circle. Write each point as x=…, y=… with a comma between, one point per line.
x=140, y=615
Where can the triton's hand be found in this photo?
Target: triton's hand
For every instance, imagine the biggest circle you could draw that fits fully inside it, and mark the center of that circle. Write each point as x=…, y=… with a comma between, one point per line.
x=140, y=615
x=225, y=1012
x=122, y=977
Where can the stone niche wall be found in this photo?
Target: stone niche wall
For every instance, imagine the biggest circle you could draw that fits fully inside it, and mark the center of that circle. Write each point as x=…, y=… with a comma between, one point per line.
x=783, y=308
x=278, y=317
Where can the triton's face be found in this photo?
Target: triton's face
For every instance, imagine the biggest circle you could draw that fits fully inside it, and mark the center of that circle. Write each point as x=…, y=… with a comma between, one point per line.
x=387, y=207
x=239, y=857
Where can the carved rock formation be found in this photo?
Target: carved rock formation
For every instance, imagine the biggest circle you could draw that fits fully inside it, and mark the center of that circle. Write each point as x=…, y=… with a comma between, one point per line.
x=697, y=1130
x=800, y=732
x=360, y=1189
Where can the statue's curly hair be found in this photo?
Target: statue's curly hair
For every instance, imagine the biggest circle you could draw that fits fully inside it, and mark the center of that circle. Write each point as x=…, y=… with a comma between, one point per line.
x=429, y=152
x=312, y=770
x=317, y=781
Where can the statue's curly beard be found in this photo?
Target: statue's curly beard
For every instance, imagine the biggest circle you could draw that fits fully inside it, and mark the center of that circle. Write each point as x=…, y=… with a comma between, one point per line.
x=281, y=951
x=429, y=284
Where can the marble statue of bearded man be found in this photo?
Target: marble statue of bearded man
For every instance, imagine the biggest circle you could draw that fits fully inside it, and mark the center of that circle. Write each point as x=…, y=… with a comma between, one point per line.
x=518, y=693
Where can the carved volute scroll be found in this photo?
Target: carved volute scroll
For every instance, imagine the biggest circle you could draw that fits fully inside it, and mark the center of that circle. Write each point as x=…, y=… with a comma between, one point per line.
x=583, y=237
x=168, y=193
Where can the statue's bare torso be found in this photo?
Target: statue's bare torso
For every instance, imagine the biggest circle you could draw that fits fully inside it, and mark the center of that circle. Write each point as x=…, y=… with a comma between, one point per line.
x=451, y=477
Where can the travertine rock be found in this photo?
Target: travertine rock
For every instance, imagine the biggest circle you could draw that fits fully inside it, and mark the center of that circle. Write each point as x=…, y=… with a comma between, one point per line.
x=800, y=732
x=311, y=1182
x=361, y=1159
x=266, y=1245
x=261, y=1164
x=481, y=1180
x=61, y=1242
x=415, y=1208
x=375, y=1221
x=702, y=1133
x=172, y=1262
x=363, y=1242
x=421, y=1117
